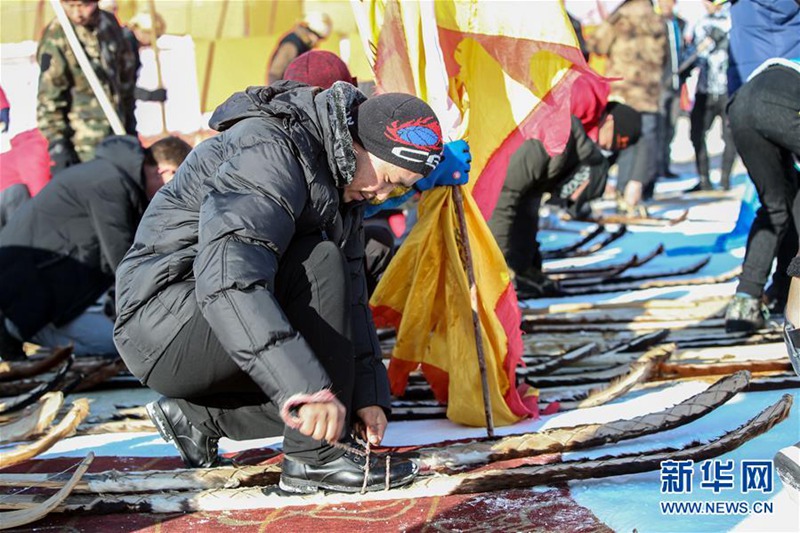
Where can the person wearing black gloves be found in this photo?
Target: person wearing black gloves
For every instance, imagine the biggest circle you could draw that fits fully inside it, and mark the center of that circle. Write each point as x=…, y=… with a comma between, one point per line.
x=60, y=250
x=243, y=298
x=575, y=176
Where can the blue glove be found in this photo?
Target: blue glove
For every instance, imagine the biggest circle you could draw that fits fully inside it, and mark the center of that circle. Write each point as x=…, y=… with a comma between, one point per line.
x=455, y=158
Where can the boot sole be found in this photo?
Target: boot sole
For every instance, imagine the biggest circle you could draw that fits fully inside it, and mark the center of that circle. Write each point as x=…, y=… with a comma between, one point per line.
x=163, y=426
x=305, y=486
x=157, y=417
x=167, y=432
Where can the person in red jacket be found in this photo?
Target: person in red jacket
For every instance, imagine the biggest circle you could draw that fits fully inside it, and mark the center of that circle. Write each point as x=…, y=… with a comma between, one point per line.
x=24, y=171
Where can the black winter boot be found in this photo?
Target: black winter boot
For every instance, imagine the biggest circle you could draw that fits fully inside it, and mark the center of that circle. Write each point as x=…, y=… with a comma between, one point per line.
x=346, y=474
x=197, y=449
x=535, y=284
x=745, y=313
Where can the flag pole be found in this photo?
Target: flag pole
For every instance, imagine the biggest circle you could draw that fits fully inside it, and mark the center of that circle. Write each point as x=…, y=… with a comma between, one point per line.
x=154, y=35
x=473, y=296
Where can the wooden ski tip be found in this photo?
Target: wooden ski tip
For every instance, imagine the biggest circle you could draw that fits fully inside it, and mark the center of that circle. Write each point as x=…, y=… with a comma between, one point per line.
x=12, y=519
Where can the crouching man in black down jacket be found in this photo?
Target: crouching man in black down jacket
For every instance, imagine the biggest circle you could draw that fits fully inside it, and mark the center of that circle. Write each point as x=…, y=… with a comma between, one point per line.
x=243, y=299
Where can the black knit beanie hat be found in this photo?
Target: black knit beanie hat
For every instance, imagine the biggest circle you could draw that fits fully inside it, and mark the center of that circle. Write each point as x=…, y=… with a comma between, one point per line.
x=627, y=125
x=400, y=129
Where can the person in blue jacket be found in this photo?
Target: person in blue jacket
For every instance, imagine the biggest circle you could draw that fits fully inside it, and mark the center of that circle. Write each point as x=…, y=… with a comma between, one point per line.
x=761, y=29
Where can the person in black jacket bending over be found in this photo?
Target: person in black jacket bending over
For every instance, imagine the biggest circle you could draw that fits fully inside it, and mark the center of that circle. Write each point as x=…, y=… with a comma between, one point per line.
x=575, y=176
x=243, y=299
x=59, y=252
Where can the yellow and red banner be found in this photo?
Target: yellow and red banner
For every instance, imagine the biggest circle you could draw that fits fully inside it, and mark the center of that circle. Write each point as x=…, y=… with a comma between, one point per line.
x=495, y=78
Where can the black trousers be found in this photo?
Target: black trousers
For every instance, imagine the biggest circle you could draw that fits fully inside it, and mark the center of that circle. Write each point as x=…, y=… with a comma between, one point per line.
x=517, y=240
x=706, y=108
x=378, y=250
x=313, y=289
x=669, y=109
x=766, y=129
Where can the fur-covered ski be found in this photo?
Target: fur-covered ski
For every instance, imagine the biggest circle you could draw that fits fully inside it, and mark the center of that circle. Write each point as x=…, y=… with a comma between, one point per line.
x=14, y=370
x=33, y=419
x=448, y=458
x=657, y=283
x=592, y=395
x=644, y=221
x=90, y=379
x=81, y=377
x=598, y=245
x=632, y=314
x=607, y=273
x=590, y=271
x=67, y=425
x=558, y=362
x=23, y=517
x=421, y=391
x=641, y=371
x=787, y=464
x=619, y=327
x=586, y=246
x=565, y=250
x=719, y=337
x=599, y=280
x=11, y=405
x=584, y=377
x=653, y=305
x=426, y=486
x=592, y=246
x=645, y=281
x=680, y=369
x=786, y=380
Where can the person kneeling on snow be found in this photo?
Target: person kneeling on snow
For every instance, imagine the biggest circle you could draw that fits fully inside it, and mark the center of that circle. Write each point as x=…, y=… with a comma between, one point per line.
x=243, y=299
x=60, y=250
x=575, y=176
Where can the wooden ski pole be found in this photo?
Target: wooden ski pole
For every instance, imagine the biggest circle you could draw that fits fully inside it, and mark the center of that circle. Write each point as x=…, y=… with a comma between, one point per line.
x=154, y=45
x=88, y=71
x=473, y=296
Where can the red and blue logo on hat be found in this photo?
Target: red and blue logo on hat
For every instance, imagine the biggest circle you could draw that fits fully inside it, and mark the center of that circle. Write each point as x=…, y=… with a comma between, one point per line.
x=422, y=133
x=421, y=139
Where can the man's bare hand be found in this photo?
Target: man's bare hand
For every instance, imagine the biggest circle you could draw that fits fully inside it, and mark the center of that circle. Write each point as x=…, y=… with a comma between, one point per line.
x=322, y=421
x=373, y=423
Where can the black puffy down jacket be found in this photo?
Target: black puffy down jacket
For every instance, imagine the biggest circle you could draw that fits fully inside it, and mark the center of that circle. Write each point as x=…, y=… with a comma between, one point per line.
x=214, y=235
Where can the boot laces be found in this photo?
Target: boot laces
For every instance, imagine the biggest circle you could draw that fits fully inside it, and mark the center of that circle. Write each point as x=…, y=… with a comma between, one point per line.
x=366, y=454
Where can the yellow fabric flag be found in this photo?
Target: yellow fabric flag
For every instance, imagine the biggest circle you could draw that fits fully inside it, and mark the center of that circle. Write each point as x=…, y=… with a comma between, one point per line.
x=494, y=78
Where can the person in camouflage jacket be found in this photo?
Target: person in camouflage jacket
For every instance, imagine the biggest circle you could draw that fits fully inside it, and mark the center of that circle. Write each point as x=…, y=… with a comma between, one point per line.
x=634, y=38
x=68, y=113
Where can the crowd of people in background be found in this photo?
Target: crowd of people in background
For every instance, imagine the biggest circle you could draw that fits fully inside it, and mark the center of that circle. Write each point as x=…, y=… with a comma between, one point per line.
x=233, y=273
